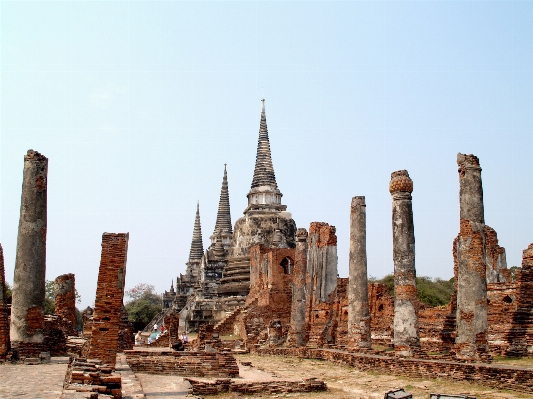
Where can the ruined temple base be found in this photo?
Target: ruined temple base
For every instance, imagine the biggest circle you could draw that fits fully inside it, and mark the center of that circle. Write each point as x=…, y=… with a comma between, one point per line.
x=495, y=376
x=188, y=363
x=30, y=352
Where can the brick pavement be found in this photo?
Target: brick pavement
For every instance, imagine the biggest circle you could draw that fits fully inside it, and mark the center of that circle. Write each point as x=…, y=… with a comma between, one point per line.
x=40, y=381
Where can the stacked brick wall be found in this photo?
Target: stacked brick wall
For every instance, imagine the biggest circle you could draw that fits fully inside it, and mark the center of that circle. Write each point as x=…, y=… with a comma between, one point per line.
x=203, y=387
x=431, y=322
x=126, y=332
x=520, y=336
x=4, y=321
x=172, y=324
x=503, y=301
x=87, y=319
x=55, y=338
x=109, y=297
x=65, y=299
x=495, y=257
x=381, y=314
x=91, y=376
x=189, y=363
x=495, y=376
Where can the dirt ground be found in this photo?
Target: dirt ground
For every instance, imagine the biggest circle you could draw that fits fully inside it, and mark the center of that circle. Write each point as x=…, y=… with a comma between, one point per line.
x=345, y=382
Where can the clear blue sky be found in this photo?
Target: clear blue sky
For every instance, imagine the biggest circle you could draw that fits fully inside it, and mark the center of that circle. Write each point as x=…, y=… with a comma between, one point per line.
x=138, y=105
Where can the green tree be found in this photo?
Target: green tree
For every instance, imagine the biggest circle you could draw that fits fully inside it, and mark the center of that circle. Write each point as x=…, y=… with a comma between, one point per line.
x=8, y=293
x=145, y=303
x=431, y=291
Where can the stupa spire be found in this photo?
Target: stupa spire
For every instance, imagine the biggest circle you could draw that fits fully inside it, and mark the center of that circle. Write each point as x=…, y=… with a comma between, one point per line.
x=223, y=222
x=264, y=170
x=197, y=246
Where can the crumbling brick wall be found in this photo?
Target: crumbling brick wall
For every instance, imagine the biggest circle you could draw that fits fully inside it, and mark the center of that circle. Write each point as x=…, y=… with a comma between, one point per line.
x=65, y=300
x=321, y=284
x=4, y=320
x=189, y=363
x=520, y=336
x=109, y=297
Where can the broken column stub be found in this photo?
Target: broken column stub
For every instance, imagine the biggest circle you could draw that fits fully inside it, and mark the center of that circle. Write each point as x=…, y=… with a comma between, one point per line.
x=358, y=311
x=297, y=327
x=406, y=331
x=471, y=338
x=65, y=297
x=4, y=326
x=27, y=309
x=109, y=297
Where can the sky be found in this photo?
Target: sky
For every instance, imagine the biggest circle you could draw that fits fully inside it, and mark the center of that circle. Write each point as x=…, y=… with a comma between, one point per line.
x=138, y=105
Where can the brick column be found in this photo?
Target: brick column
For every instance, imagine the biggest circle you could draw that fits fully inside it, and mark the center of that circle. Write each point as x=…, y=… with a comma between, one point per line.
x=358, y=312
x=65, y=297
x=297, y=328
x=4, y=326
x=471, y=339
x=109, y=296
x=406, y=332
x=27, y=308
x=321, y=282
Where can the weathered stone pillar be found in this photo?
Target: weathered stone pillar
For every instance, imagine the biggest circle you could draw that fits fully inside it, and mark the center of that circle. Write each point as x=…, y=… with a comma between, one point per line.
x=65, y=297
x=406, y=333
x=358, y=312
x=296, y=335
x=109, y=297
x=27, y=308
x=4, y=326
x=471, y=339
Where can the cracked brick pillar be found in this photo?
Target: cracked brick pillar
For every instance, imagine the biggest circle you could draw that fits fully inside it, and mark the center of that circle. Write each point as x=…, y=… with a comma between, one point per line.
x=65, y=297
x=406, y=331
x=521, y=335
x=321, y=283
x=297, y=329
x=358, y=311
x=27, y=308
x=4, y=326
x=471, y=339
x=109, y=297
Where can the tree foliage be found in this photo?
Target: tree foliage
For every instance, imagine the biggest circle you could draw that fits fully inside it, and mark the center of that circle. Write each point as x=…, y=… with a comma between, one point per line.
x=8, y=293
x=431, y=291
x=145, y=303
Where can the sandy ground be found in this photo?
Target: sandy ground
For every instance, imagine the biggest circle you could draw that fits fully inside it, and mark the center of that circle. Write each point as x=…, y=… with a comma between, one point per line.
x=348, y=383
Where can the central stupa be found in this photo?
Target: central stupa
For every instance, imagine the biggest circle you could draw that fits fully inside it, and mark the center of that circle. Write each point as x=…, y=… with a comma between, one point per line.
x=265, y=220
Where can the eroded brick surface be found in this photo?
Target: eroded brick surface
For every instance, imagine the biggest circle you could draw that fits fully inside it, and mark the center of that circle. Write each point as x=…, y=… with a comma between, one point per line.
x=4, y=326
x=109, y=297
x=65, y=298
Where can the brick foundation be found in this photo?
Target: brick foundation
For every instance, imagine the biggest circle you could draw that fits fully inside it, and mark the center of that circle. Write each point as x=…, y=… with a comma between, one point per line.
x=109, y=296
x=190, y=363
x=263, y=387
x=499, y=377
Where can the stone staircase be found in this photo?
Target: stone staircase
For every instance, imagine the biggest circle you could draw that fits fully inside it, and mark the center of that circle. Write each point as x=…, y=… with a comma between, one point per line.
x=225, y=326
x=158, y=319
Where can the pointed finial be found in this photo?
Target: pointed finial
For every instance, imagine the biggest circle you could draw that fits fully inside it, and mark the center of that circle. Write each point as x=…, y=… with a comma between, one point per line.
x=225, y=167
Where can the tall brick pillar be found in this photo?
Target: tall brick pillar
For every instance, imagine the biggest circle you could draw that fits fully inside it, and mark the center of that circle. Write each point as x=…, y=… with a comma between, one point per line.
x=27, y=308
x=471, y=339
x=109, y=297
x=358, y=311
x=4, y=326
x=296, y=335
x=521, y=335
x=406, y=332
x=321, y=282
x=65, y=297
